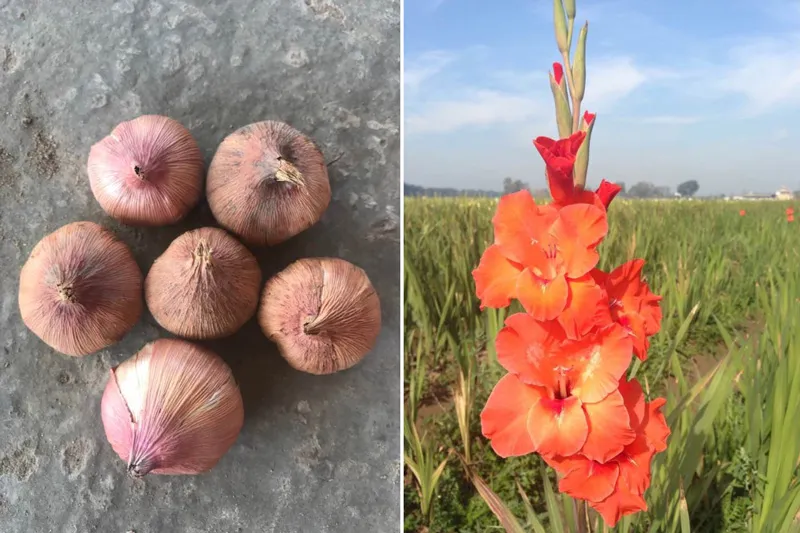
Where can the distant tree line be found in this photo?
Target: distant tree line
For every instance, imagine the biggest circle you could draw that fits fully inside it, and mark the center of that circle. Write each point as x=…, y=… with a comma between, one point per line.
x=642, y=189
x=416, y=190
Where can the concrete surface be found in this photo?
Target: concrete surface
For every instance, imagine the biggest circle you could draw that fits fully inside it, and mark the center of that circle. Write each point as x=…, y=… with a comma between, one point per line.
x=317, y=454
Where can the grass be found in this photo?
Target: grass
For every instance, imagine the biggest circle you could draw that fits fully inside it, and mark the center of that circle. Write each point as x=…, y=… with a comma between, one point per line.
x=727, y=358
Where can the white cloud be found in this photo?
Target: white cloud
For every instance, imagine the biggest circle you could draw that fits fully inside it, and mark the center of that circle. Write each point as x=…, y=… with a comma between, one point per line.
x=610, y=80
x=766, y=72
x=480, y=108
x=781, y=135
x=508, y=97
x=669, y=120
x=424, y=67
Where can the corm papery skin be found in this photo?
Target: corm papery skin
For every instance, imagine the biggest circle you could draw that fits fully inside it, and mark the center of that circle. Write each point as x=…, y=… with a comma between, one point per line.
x=147, y=172
x=81, y=289
x=173, y=408
x=323, y=314
x=204, y=286
x=267, y=183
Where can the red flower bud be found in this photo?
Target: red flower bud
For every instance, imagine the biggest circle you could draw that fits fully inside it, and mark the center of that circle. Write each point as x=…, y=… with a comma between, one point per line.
x=607, y=191
x=588, y=118
x=559, y=160
x=558, y=73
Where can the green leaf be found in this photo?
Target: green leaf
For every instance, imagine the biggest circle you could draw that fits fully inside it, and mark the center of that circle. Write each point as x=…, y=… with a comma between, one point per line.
x=500, y=510
x=553, y=509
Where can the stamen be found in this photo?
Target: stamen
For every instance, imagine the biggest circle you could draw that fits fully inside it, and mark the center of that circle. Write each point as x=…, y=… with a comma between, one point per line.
x=562, y=387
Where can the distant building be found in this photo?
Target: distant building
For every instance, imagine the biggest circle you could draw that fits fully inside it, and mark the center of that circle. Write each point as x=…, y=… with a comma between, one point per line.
x=755, y=196
x=781, y=194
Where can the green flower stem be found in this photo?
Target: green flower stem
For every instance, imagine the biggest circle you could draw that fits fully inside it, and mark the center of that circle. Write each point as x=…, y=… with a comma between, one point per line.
x=579, y=513
x=570, y=26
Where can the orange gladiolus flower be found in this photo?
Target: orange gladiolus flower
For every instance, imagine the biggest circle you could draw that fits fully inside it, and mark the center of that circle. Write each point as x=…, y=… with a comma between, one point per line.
x=539, y=353
x=565, y=395
x=571, y=402
x=742, y=212
x=616, y=488
x=632, y=304
x=519, y=419
x=541, y=256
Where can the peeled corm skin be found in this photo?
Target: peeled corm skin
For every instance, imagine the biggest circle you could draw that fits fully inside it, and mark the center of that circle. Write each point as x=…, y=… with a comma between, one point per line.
x=267, y=183
x=323, y=314
x=204, y=286
x=147, y=172
x=173, y=408
x=80, y=290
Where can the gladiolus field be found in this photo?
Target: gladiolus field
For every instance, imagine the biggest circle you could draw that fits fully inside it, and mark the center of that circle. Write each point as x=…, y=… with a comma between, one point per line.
x=580, y=363
x=726, y=361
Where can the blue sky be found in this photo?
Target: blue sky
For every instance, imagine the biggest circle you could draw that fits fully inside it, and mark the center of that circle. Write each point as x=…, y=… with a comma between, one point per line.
x=706, y=90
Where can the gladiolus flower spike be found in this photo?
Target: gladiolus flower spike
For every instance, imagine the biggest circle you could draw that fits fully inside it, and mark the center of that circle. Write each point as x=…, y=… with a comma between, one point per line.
x=566, y=396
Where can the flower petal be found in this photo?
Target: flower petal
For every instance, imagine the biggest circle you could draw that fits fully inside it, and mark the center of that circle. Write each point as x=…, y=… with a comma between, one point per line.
x=607, y=190
x=548, y=333
x=538, y=227
x=560, y=181
x=563, y=465
x=582, y=224
x=634, y=326
x=590, y=480
x=504, y=418
x=552, y=150
x=634, y=464
x=623, y=501
x=633, y=396
x=544, y=300
x=559, y=160
x=586, y=308
x=605, y=357
x=496, y=279
x=545, y=145
x=651, y=313
x=581, y=196
x=599, y=276
x=655, y=425
x=609, y=428
x=626, y=287
x=624, y=282
x=512, y=353
x=557, y=427
x=530, y=349
x=558, y=73
x=509, y=225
